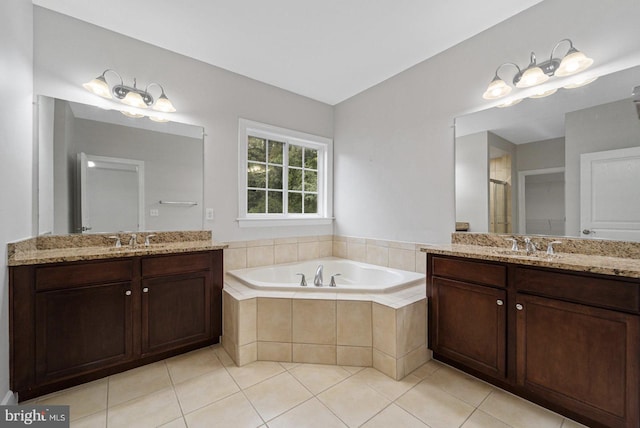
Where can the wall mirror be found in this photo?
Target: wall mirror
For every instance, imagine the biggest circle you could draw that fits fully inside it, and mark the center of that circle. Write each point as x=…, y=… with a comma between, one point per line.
x=100, y=171
x=567, y=164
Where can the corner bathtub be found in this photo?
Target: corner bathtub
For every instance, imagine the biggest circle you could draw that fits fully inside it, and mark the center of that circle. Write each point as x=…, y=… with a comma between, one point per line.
x=355, y=277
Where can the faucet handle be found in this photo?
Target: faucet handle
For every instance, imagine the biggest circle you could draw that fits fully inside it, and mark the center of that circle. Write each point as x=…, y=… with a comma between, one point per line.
x=332, y=283
x=146, y=239
x=303, y=280
x=118, y=244
x=550, y=251
x=133, y=240
x=514, y=243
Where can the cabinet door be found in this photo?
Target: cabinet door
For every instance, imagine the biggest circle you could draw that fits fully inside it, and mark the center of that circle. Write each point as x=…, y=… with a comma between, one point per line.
x=82, y=329
x=176, y=311
x=468, y=325
x=583, y=358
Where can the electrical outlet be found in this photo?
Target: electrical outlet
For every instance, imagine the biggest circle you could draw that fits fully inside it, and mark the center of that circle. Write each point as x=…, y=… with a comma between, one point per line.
x=210, y=214
x=154, y=212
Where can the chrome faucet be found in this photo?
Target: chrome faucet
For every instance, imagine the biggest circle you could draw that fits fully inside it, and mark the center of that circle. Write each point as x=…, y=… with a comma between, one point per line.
x=133, y=241
x=303, y=280
x=514, y=243
x=147, y=239
x=530, y=246
x=317, y=280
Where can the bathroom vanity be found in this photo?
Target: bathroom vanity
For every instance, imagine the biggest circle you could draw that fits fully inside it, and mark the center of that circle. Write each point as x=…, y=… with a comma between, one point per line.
x=561, y=331
x=78, y=314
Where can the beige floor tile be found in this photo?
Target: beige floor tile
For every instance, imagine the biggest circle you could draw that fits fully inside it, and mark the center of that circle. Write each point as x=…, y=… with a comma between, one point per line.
x=353, y=402
x=396, y=417
x=427, y=369
x=458, y=384
x=224, y=358
x=310, y=414
x=435, y=407
x=151, y=410
x=83, y=400
x=176, y=423
x=234, y=411
x=253, y=373
x=519, y=413
x=390, y=388
x=289, y=366
x=138, y=382
x=480, y=419
x=206, y=389
x=193, y=364
x=318, y=377
x=97, y=420
x=277, y=395
x=353, y=369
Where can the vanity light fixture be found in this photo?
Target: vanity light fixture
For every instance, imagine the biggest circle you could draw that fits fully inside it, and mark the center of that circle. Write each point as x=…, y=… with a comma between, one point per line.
x=130, y=95
x=534, y=74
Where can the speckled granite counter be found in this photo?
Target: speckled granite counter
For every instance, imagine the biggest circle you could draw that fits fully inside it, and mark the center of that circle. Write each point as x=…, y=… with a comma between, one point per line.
x=616, y=258
x=68, y=248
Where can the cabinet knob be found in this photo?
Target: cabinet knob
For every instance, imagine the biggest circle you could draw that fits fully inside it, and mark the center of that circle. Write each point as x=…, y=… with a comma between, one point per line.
x=519, y=306
x=499, y=302
x=145, y=290
x=127, y=293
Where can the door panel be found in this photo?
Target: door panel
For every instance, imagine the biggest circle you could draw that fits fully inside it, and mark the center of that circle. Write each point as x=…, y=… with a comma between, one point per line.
x=176, y=310
x=470, y=325
x=581, y=357
x=610, y=194
x=82, y=329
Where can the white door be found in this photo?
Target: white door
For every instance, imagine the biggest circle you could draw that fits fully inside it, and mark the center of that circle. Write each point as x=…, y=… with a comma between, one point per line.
x=610, y=194
x=111, y=194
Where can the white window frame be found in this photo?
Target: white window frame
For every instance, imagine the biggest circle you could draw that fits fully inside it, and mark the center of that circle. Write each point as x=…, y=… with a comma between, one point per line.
x=324, y=146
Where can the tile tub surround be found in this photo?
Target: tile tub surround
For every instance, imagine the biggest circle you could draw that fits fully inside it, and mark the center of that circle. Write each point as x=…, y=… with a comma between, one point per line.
x=67, y=248
x=387, y=331
x=622, y=262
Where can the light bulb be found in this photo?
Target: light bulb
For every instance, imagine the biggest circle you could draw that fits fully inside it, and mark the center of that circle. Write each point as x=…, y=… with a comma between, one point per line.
x=134, y=99
x=572, y=63
x=532, y=76
x=580, y=83
x=496, y=89
x=542, y=94
x=98, y=86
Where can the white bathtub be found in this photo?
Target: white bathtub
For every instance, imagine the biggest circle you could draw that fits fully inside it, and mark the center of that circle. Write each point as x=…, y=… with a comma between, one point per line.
x=354, y=277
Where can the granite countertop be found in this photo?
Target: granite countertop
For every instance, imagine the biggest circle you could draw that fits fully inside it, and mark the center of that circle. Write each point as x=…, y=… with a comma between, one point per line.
x=606, y=265
x=69, y=248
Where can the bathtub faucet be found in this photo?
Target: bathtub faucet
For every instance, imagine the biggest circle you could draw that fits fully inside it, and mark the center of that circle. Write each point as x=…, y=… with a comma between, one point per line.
x=317, y=280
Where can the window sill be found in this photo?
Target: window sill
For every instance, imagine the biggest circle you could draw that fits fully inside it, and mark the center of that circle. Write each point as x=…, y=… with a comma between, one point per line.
x=271, y=222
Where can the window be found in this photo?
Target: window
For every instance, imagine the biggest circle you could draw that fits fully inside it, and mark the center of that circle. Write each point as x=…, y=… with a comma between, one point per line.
x=285, y=176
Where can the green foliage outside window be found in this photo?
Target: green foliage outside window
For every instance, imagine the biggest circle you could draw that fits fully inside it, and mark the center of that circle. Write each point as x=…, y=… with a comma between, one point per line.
x=265, y=171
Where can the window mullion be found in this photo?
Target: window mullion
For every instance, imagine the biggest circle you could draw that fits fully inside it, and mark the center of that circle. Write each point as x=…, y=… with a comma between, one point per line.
x=285, y=178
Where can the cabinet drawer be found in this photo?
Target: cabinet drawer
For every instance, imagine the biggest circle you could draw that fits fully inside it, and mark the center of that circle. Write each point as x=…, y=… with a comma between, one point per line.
x=173, y=264
x=80, y=274
x=479, y=272
x=602, y=292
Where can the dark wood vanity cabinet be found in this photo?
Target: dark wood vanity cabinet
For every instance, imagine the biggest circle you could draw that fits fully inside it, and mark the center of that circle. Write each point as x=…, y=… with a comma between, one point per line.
x=78, y=321
x=569, y=341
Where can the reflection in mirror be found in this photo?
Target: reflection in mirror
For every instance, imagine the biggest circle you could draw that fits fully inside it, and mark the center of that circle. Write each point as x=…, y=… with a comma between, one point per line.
x=100, y=171
x=545, y=140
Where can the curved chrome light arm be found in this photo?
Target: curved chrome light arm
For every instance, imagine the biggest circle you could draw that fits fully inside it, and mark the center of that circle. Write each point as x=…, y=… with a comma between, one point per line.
x=506, y=63
x=114, y=72
x=558, y=45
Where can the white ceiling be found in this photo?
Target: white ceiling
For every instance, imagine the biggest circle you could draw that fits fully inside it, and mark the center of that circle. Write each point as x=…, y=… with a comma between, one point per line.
x=328, y=50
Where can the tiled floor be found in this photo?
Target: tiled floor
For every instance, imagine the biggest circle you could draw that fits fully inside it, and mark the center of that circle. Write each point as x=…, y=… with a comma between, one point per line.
x=205, y=389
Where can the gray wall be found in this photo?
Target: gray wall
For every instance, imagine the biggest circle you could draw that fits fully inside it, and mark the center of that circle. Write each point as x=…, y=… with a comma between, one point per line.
x=394, y=142
x=606, y=127
x=540, y=154
x=472, y=181
x=65, y=57
x=16, y=151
